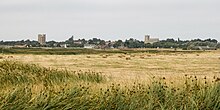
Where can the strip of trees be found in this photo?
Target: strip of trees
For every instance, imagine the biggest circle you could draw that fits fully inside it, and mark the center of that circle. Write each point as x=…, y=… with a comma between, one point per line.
x=129, y=43
x=168, y=43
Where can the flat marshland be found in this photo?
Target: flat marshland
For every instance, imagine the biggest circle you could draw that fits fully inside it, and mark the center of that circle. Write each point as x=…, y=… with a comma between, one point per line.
x=133, y=66
x=138, y=80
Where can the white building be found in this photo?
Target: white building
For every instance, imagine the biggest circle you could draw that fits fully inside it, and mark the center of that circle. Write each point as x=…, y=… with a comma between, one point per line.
x=89, y=46
x=63, y=45
x=150, y=40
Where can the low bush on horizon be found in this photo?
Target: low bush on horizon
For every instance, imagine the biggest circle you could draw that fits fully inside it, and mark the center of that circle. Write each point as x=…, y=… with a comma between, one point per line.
x=28, y=86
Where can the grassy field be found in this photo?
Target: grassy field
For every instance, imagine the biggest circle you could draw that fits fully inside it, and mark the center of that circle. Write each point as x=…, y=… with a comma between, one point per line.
x=77, y=51
x=133, y=66
x=135, y=80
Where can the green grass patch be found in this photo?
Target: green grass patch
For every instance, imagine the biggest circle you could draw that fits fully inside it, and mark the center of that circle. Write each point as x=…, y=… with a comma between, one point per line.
x=16, y=73
x=60, y=91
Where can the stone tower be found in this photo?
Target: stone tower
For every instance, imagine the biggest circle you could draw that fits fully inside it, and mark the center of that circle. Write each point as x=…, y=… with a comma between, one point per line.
x=147, y=38
x=42, y=39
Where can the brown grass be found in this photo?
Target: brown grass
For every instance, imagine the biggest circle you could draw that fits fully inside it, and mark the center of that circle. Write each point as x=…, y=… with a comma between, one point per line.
x=132, y=55
x=171, y=66
x=121, y=56
x=148, y=55
x=105, y=56
x=128, y=58
x=142, y=57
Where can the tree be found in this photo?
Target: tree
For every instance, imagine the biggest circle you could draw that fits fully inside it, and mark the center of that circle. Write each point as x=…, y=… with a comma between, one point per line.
x=70, y=40
x=133, y=43
x=218, y=45
x=118, y=44
x=170, y=40
x=96, y=41
x=52, y=43
x=102, y=42
x=211, y=40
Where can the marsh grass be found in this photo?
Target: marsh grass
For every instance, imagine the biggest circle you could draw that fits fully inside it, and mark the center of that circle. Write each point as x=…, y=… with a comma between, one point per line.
x=63, y=90
x=15, y=73
x=60, y=51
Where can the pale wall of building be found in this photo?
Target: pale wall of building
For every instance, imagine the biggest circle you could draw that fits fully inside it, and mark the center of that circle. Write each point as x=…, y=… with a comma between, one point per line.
x=42, y=39
x=150, y=40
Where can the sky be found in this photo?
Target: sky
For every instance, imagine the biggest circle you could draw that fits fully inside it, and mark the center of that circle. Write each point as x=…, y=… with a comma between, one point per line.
x=109, y=19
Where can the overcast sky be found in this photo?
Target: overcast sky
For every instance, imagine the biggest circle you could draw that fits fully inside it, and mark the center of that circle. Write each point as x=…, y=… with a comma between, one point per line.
x=109, y=19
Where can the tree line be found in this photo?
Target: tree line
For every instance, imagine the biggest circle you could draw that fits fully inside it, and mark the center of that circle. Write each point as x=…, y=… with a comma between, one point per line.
x=128, y=43
x=168, y=43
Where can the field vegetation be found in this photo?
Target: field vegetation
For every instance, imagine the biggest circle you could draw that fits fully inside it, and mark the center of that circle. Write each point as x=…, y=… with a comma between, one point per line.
x=25, y=86
x=135, y=81
x=77, y=51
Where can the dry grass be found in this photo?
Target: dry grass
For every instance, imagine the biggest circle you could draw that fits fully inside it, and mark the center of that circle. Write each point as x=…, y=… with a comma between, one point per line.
x=145, y=65
x=159, y=81
x=128, y=58
x=88, y=56
x=28, y=87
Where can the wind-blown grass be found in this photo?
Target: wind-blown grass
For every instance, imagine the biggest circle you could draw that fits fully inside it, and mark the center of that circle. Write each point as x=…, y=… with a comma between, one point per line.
x=16, y=73
x=194, y=93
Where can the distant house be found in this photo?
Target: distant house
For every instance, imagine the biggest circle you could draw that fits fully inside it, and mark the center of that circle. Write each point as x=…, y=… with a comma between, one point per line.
x=21, y=46
x=150, y=40
x=77, y=42
x=89, y=46
x=108, y=45
x=63, y=45
x=5, y=46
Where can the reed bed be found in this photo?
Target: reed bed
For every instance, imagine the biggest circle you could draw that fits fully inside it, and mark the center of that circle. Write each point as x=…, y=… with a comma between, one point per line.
x=65, y=90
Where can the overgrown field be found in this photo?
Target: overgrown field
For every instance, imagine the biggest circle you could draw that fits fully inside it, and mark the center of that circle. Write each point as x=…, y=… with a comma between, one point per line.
x=124, y=67
x=29, y=86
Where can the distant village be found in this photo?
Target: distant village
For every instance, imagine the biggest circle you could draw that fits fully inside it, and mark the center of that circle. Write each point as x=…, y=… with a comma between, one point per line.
x=95, y=43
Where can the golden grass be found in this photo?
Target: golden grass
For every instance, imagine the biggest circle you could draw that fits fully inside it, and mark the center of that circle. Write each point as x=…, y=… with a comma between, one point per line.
x=152, y=82
x=138, y=66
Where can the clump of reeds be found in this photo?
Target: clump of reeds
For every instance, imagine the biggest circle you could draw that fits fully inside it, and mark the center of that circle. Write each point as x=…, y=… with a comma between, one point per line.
x=88, y=56
x=77, y=90
x=217, y=80
x=132, y=55
x=91, y=76
x=10, y=57
x=128, y=58
x=13, y=73
x=121, y=56
x=142, y=57
x=148, y=55
x=105, y=56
